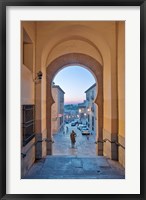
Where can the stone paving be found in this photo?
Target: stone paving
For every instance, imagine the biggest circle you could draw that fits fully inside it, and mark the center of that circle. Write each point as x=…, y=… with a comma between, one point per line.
x=74, y=167
x=80, y=162
x=84, y=146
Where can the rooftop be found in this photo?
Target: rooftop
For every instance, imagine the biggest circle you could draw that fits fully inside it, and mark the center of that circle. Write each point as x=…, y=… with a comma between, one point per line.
x=57, y=86
x=94, y=85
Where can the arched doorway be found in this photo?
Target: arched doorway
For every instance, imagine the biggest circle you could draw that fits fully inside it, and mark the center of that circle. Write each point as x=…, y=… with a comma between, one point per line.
x=95, y=67
x=74, y=90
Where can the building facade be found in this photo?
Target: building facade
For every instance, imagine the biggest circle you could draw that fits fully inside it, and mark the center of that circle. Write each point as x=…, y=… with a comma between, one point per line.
x=57, y=112
x=91, y=108
x=82, y=111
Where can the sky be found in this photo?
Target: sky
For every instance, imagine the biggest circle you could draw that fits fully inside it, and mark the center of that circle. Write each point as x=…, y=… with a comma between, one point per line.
x=74, y=81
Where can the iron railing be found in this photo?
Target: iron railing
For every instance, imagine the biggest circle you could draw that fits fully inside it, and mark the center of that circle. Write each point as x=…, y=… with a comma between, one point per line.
x=23, y=154
x=28, y=123
x=113, y=142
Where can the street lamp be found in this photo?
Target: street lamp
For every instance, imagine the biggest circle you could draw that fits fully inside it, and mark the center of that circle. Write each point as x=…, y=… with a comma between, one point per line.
x=80, y=110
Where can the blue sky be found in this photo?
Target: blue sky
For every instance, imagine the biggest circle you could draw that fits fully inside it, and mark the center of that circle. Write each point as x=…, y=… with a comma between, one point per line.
x=74, y=81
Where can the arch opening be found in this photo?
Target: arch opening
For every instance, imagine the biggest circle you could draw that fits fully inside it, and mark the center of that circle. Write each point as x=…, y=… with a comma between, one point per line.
x=74, y=90
x=90, y=64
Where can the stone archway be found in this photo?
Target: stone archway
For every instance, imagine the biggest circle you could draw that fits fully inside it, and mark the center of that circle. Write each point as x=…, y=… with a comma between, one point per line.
x=96, y=68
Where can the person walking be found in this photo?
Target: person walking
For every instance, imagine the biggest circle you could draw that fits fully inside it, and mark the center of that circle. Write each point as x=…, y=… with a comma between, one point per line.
x=87, y=137
x=73, y=138
x=63, y=131
x=66, y=129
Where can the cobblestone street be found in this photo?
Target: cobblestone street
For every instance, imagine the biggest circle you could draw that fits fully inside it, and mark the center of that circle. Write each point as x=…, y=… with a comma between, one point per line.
x=80, y=162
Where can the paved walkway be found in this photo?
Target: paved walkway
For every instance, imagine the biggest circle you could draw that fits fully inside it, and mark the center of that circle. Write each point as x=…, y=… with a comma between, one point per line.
x=80, y=162
x=83, y=147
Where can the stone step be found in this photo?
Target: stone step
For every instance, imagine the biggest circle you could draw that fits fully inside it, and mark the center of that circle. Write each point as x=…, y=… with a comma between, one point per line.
x=80, y=167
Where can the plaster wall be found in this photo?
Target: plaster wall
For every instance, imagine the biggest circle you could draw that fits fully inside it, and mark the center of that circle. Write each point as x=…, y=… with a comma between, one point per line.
x=110, y=129
x=40, y=92
x=27, y=88
x=121, y=90
x=27, y=97
x=42, y=104
x=121, y=78
x=28, y=56
x=117, y=121
x=30, y=28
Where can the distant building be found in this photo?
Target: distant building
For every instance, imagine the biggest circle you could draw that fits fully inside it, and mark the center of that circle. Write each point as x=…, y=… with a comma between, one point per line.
x=70, y=115
x=91, y=107
x=57, y=111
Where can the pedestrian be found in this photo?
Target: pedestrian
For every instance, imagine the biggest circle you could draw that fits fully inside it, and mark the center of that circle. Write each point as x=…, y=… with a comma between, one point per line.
x=73, y=139
x=66, y=129
x=87, y=137
x=63, y=130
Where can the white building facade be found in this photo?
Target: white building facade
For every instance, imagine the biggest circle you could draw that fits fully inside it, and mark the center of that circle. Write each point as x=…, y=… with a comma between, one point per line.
x=57, y=111
x=92, y=109
x=82, y=111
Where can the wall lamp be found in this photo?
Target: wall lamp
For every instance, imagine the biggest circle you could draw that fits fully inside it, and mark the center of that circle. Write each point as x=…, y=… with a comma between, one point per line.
x=38, y=77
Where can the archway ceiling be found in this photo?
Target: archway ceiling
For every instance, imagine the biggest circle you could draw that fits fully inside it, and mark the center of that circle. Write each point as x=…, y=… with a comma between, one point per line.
x=78, y=33
x=74, y=46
